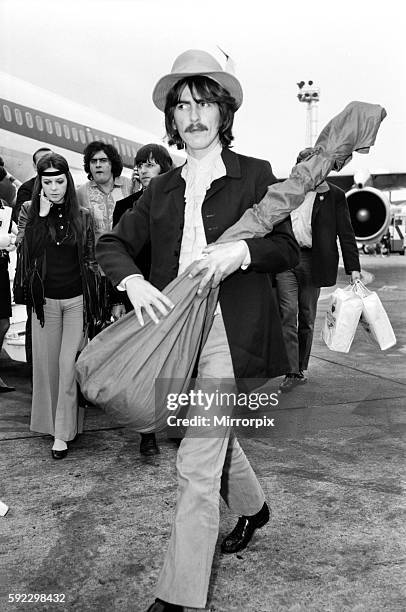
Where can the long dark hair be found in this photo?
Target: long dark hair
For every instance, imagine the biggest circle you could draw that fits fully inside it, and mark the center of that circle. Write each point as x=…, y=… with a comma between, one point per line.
x=71, y=205
x=206, y=89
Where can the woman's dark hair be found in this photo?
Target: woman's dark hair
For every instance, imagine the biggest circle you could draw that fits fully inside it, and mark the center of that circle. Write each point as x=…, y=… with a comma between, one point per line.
x=71, y=205
x=110, y=151
x=201, y=88
x=157, y=153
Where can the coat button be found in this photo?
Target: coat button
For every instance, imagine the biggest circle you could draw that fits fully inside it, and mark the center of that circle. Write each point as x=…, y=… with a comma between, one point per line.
x=321, y=198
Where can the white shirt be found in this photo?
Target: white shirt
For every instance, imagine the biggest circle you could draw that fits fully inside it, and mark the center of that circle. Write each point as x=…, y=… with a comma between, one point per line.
x=198, y=175
x=302, y=220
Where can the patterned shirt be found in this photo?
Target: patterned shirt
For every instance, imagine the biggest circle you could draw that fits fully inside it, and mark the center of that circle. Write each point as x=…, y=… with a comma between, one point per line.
x=102, y=204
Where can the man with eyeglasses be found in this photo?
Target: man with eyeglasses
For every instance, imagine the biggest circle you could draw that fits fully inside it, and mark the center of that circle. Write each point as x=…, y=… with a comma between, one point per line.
x=103, y=166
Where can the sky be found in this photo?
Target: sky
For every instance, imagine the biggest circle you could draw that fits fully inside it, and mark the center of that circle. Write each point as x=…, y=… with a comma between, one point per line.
x=108, y=55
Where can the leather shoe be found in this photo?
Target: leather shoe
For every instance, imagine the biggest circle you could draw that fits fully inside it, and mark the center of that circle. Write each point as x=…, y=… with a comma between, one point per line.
x=59, y=454
x=291, y=380
x=242, y=533
x=6, y=389
x=148, y=446
x=163, y=606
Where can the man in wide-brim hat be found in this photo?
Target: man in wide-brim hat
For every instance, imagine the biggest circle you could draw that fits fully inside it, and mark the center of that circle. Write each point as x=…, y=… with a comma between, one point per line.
x=180, y=213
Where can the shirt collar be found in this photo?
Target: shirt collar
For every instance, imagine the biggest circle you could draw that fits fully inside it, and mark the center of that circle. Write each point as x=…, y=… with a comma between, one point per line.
x=322, y=188
x=118, y=182
x=205, y=162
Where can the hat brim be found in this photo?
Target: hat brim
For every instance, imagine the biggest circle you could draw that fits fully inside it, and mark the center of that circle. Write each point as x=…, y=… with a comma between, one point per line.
x=226, y=80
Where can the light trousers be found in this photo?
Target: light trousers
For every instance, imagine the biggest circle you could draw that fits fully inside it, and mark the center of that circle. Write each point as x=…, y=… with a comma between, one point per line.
x=207, y=467
x=55, y=408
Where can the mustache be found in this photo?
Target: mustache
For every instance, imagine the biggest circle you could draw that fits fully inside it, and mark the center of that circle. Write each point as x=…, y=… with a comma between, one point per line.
x=195, y=126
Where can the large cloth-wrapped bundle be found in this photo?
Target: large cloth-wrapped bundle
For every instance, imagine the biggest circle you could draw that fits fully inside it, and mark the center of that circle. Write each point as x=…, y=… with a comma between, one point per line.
x=118, y=369
x=354, y=129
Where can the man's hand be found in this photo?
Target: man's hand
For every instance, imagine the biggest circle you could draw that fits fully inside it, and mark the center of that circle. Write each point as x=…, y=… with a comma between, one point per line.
x=355, y=275
x=144, y=296
x=219, y=261
x=135, y=180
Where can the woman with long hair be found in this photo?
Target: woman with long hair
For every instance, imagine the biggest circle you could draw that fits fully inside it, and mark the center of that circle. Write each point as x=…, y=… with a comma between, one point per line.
x=62, y=276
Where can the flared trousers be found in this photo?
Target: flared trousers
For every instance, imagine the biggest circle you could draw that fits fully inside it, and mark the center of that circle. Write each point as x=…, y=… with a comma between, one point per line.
x=55, y=409
x=206, y=467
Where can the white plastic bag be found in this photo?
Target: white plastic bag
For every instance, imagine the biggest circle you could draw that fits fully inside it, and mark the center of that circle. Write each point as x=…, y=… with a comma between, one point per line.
x=341, y=321
x=374, y=320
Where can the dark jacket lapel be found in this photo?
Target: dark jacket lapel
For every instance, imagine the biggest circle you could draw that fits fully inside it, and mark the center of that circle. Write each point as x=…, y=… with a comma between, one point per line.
x=233, y=170
x=316, y=206
x=175, y=188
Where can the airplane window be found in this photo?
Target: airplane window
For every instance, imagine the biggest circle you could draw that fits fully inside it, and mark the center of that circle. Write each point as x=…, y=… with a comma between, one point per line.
x=75, y=134
x=89, y=135
x=134, y=151
x=82, y=136
x=128, y=150
x=58, y=128
x=122, y=148
x=18, y=116
x=39, y=122
x=66, y=131
x=28, y=120
x=7, y=112
x=110, y=140
x=49, y=126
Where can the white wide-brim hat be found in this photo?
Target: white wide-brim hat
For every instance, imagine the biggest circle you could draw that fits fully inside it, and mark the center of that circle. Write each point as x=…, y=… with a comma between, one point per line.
x=195, y=62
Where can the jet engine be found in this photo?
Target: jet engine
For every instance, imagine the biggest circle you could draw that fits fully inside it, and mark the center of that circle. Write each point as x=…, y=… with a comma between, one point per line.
x=370, y=214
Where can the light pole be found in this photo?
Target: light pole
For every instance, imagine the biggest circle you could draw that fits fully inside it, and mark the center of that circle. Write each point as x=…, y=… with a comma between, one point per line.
x=310, y=94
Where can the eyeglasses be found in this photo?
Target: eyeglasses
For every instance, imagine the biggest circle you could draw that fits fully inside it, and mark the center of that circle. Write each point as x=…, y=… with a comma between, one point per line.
x=100, y=160
x=147, y=164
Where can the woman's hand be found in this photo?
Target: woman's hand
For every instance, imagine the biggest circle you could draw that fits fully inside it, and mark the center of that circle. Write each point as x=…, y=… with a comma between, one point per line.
x=117, y=311
x=144, y=296
x=44, y=205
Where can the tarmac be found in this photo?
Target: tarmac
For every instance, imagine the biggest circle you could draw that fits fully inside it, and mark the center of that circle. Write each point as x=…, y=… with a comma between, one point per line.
x=94, y=526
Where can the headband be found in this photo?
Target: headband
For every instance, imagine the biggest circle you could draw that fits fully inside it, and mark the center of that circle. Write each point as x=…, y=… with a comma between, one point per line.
x=51, y=172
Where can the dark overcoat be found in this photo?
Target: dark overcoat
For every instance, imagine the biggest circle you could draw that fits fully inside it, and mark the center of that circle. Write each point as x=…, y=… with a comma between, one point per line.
x=247, y=299
x=331, y=218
